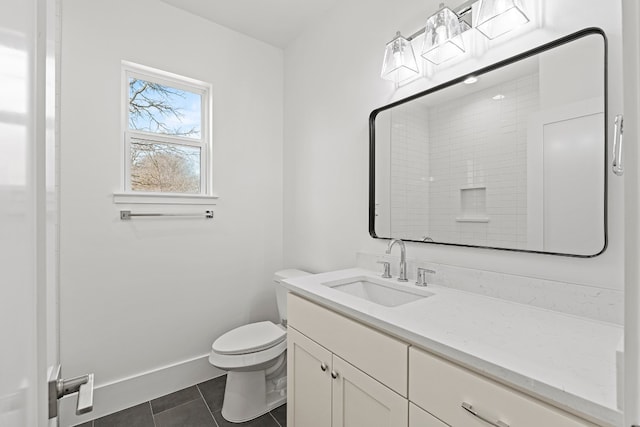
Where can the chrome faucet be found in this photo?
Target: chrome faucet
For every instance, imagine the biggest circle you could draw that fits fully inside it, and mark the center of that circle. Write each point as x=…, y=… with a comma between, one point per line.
x=403, y=258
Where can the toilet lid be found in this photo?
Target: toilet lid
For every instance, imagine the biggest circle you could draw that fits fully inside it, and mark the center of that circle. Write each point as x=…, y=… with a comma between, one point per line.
x=249, y=338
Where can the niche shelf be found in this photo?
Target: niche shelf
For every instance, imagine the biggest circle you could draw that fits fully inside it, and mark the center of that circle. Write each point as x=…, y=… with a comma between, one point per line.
x=473, y=204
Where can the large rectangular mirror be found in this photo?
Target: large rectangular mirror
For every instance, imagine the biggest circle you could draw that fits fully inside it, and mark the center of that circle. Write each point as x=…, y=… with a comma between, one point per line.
x=510, y=157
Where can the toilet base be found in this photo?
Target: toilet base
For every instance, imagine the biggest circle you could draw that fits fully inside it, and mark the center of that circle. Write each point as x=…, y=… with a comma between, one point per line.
x=249, y=395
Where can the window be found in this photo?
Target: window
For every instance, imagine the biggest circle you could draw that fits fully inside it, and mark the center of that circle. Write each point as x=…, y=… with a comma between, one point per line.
x=167, y=149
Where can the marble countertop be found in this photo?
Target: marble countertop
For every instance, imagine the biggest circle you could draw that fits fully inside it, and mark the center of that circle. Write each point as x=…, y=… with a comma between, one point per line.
x=566, y=360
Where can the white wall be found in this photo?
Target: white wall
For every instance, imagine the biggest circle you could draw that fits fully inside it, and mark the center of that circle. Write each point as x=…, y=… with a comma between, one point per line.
x=141, y=295
x=332, y=83
x=409, y=164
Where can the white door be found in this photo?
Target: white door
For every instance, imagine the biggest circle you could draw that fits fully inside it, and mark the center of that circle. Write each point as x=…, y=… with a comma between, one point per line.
x=28, y=212
x=631, y=48
x=573, y=166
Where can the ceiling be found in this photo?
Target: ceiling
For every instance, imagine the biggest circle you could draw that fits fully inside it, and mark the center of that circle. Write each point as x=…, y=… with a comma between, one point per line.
x=276, y=22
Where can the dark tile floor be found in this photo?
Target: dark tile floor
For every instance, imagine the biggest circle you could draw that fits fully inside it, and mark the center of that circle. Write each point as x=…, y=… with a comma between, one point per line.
x=197, y=406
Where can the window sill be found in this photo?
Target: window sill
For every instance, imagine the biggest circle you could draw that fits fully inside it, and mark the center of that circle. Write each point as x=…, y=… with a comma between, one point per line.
x=163, y=199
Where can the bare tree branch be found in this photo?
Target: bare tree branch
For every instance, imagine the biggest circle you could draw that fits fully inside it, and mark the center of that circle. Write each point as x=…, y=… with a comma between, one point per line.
x=150, y=102
x=159, y=166
x=162, y=167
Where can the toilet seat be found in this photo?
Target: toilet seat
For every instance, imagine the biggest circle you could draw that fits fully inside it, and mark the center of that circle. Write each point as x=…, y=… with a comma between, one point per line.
x=249, y=361
x=249, y=346
x=249, y=338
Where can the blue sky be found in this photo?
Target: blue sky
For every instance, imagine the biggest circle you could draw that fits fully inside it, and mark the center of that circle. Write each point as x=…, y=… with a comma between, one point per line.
x=187, y=103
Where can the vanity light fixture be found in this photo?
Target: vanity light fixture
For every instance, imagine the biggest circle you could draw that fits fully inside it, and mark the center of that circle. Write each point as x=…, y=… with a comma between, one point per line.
x=442, y=37
x=399, y=60
x=443, y=34
x=498, y=17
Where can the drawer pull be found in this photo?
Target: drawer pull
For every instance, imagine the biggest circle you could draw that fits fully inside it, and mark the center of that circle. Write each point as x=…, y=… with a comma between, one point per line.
x=323, y=366
x=334, y=375
x=469, y=408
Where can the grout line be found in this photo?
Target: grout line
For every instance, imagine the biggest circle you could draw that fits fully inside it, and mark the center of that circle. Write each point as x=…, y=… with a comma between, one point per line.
x=275, y=419
x=153, y=417
x=180, y=404
x=207, y=405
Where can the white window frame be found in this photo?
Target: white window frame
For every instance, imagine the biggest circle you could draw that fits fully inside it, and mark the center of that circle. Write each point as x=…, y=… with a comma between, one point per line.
x=127, y=195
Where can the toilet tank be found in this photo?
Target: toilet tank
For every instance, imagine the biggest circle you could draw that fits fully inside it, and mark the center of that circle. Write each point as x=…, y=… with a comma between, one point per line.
x=281, y=291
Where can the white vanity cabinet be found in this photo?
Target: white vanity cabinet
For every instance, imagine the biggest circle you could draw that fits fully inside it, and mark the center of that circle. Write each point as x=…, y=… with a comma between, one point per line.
x=342, y=373
x=327, y=386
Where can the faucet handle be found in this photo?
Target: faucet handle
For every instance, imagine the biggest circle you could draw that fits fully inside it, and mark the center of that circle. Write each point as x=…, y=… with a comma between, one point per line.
x=387, y=269
x=421, y=279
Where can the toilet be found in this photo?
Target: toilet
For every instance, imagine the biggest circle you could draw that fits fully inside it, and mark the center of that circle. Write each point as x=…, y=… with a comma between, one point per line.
x=255, y=359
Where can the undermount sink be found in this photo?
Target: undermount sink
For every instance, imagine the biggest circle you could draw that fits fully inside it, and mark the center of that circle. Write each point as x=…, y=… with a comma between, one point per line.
x=378, y=291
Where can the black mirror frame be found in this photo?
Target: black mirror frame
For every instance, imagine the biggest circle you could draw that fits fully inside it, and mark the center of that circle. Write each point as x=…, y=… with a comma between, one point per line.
x=515, y=58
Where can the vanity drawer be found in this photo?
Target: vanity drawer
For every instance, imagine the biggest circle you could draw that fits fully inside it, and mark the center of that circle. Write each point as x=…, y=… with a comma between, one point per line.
x=379, y=355
x=420, y=418
x=442, y=388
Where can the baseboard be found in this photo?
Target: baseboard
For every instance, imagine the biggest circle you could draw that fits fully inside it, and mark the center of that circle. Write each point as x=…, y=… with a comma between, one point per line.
x=123, y=393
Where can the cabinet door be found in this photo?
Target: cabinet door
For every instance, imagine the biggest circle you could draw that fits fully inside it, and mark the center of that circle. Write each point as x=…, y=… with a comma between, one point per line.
x=359, y=400
x=308, y=382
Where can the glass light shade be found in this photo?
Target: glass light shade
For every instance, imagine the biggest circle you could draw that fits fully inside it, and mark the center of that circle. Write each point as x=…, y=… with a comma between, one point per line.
x=399, y=60
x=497, y=17
x=442, y=37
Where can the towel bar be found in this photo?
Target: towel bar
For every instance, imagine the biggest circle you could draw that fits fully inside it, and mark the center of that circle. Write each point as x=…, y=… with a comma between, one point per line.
x=127, y=215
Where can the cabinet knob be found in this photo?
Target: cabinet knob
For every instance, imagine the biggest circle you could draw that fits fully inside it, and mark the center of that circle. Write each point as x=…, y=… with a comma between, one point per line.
x=323, y=366
x=334, y=374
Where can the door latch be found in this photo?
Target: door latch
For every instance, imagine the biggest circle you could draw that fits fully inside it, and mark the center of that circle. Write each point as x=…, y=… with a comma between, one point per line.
x=58, y=388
